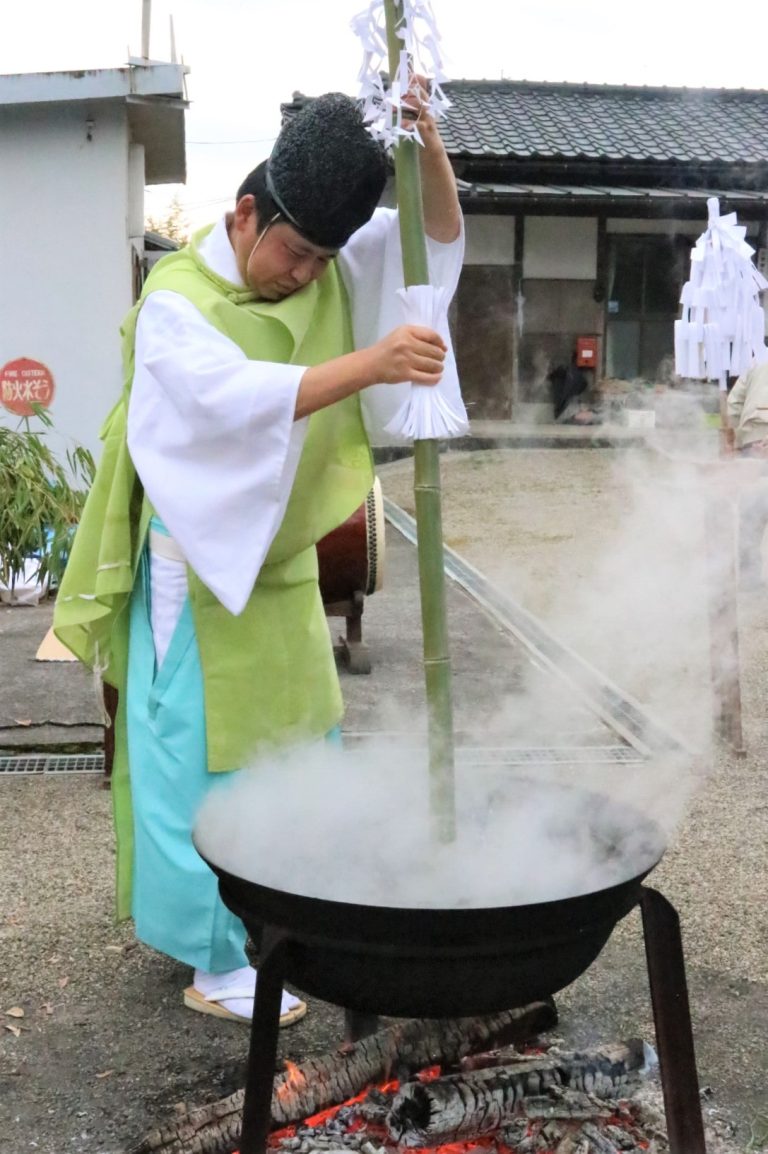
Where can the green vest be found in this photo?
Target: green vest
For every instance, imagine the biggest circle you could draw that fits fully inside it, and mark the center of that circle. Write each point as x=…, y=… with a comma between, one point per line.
x=269, y=674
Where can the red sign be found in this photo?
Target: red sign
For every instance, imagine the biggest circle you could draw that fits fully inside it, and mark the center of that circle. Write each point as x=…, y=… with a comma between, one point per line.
x=24, y=383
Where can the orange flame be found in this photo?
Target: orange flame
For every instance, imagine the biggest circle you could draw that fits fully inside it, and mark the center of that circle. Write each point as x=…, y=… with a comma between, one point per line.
x=294, y=1080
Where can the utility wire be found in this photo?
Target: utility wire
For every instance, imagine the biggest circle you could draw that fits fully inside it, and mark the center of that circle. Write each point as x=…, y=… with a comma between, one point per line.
x=260, y=140
x=208, y=203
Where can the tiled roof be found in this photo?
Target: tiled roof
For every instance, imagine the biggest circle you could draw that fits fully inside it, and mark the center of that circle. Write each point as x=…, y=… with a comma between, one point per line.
x=521, y=120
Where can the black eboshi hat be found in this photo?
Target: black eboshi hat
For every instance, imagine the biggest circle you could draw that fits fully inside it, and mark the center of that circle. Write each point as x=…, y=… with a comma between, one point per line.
x=326, y=173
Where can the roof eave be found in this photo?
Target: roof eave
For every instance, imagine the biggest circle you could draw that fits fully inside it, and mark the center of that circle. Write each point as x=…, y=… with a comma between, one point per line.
x=651, y=204
x=510, y=168
x=158, y=124
x=151, y=79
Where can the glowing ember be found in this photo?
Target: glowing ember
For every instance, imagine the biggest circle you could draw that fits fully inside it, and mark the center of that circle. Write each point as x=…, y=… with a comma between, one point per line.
x=490, y=1143
x=316, y=1120
x=550, y=1117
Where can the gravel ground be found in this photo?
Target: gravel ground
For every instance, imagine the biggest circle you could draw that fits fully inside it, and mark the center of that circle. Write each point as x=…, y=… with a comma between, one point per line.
x=607, y=547
x=603, y=546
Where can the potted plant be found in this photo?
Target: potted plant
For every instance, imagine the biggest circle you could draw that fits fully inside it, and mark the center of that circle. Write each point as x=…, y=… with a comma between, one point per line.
x=40, y=504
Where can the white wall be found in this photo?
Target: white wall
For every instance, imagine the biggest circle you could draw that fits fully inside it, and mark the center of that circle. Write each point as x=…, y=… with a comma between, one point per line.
x=489, y=240
x=560, y=248
x=136, y=182
x=65, y=271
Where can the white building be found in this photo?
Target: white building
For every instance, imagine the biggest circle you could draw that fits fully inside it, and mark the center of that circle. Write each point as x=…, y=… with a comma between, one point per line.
x=76, y=150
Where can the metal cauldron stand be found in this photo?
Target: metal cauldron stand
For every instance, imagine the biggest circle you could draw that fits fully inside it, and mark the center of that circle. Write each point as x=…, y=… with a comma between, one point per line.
x=671, y=1014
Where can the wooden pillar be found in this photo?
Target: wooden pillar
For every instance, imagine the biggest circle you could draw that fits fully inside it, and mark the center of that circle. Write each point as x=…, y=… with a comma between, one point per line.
x=601, y=289
x=517, y=297
x=722, y=565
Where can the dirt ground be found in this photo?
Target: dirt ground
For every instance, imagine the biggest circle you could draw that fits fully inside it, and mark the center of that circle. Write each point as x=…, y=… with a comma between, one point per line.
x=608, y=548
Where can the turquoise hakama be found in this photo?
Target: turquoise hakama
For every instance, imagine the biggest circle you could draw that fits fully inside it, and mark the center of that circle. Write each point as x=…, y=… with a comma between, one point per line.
x=176, y=904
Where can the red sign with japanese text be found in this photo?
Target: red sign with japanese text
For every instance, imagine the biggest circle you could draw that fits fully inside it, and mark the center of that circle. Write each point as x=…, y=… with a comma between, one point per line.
x=24, y=383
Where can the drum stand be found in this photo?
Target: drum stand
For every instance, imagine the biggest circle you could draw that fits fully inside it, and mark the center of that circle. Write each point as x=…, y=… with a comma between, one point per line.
x=671, y=1015
x=351, y=650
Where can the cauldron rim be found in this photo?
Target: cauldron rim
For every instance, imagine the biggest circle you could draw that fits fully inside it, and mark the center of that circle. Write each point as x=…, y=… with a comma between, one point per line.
x=656, y=837
x=431, y=911
x=435, y=961
x=411, y=962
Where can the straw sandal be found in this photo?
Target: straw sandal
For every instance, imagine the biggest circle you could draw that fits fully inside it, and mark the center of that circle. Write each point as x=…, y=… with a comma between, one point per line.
x=211, y=1004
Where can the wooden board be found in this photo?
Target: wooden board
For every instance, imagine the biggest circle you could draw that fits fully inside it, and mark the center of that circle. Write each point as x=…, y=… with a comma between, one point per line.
x=51, y=649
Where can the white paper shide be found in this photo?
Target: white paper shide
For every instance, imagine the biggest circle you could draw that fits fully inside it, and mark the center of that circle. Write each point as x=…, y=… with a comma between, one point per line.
x=721, y=331
x=430, y=411
x=420, y=53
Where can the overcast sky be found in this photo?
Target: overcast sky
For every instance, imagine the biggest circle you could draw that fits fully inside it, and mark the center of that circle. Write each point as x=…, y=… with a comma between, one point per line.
x=246, y=56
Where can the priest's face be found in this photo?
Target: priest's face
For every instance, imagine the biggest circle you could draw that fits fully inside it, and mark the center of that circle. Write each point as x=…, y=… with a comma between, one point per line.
x=273, y=258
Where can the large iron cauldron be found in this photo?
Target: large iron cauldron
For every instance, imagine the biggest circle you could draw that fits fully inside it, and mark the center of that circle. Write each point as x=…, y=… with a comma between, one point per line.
x=460, y=962
x=407, y=962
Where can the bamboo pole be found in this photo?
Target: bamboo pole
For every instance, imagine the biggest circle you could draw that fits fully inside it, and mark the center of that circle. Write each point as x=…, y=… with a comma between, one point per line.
x=437, y=666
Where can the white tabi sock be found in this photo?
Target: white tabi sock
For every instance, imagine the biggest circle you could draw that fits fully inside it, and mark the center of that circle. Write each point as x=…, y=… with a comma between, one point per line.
x=239, y=982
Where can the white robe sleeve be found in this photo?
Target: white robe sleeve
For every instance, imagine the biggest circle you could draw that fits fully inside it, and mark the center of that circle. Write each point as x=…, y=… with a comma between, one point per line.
x=214, y=441
x=371, y=265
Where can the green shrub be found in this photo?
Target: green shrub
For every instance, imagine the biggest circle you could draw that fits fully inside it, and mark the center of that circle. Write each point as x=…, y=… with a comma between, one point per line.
x=40, y=500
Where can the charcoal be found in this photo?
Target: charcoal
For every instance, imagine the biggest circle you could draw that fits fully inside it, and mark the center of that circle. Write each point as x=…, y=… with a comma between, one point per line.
x=513, y=1132
x=378, y=1096
x=621, y=1138
x=567, y=1104
x=373, y=1111
x=599, y=1141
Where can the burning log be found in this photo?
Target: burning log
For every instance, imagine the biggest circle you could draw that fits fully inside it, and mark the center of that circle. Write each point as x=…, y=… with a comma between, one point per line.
x=476, y=1103
x=591, y=1126
x=330, y=1079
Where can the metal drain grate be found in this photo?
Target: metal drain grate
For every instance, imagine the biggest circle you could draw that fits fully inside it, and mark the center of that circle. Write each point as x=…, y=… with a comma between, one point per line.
x=38, y=764
x=33, y=765
x=469, y=755
x=551, y=755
